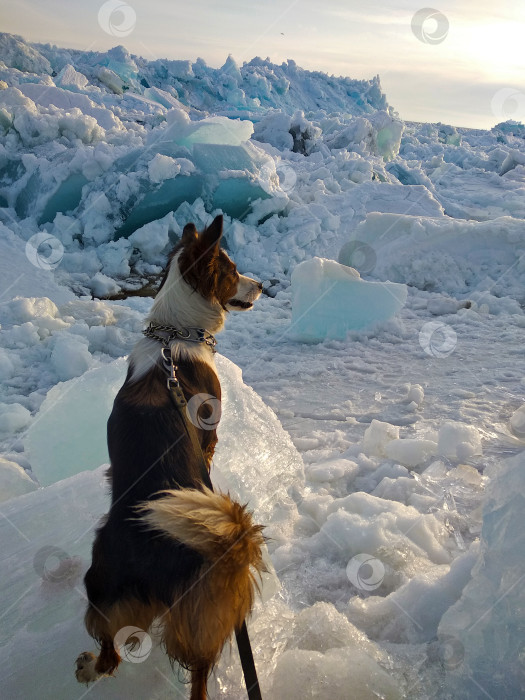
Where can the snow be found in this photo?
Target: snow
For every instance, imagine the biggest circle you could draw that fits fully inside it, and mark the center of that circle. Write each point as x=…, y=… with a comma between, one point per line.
x=64, y=101
x=387, y=136
x=20, y=276
x=70, y=357
x=410, y=451
x=152, y=239
x=7, y=368
x=17, y=54
x=425, y=598
x=416, y=394
x=513, y=159
x=443, y=306
x=517, y=422
x=329, y=299
x=102, y=285
x=331, y=470
x=377, y=436
x=13, y=417
x=14, y=481
x=459, y=440
x=111, y=80
x=162, y=168
x=70, y=79
x=385, y=459
x=470, y=255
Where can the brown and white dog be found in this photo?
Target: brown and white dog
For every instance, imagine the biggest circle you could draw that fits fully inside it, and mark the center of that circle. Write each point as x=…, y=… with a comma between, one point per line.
x=170, y=551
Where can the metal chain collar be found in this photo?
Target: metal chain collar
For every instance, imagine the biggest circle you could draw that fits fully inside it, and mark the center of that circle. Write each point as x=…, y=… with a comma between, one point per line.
x=191, y=335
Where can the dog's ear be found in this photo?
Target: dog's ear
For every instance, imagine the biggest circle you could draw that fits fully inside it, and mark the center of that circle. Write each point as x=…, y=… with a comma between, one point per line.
x=189, y=234
x=211, y=236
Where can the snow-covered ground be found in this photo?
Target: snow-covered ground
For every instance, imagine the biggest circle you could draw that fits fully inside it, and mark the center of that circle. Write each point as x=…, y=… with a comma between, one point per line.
x=386, y=459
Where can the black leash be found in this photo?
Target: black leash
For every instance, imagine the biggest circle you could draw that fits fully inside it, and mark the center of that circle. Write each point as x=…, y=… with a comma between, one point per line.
x=248, y=664
x=179, y=401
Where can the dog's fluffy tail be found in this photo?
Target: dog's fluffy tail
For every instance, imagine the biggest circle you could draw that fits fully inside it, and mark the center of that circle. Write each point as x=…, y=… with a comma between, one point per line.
x=214, y=525
x=204, y=614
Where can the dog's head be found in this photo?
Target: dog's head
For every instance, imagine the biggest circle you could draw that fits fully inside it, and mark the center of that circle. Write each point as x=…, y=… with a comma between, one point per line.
x=209, y=273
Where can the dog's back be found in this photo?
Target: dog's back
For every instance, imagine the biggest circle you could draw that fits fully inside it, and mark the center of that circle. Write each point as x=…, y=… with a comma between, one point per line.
x=149, y=453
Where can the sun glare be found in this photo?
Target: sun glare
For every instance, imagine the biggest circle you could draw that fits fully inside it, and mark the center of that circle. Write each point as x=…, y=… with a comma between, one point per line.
x=495, y=48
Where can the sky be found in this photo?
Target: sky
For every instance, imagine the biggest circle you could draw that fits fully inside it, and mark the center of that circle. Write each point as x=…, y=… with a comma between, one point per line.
x=460, y=63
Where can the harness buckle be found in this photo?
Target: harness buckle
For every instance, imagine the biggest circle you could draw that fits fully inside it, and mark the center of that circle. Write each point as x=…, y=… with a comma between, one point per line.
x=172, y=383
x=170, y=366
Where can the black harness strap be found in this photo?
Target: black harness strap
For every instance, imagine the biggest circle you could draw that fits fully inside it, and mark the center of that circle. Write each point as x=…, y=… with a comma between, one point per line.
x=179, y=401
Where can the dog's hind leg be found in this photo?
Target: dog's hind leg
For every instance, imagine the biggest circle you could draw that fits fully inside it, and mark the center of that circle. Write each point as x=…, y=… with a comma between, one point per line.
x=91, y=668
x=108, y=659
x=199, y=680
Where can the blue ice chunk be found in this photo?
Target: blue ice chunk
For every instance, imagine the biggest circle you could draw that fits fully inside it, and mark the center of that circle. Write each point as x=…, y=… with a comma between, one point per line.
x=89, y=397
x=13, y=170
x=159, y=202
x=125, y=162
x=36, y=195
x=329, y=299
x=162, y=97
x=119, y=60
x=235, y=196
x=404, y=176
x=212, y=130
x=25, y=202
x=212, y=157
x=65, y=198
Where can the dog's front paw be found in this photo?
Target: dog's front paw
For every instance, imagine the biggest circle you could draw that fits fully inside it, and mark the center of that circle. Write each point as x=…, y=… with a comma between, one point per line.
x=85, y=672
